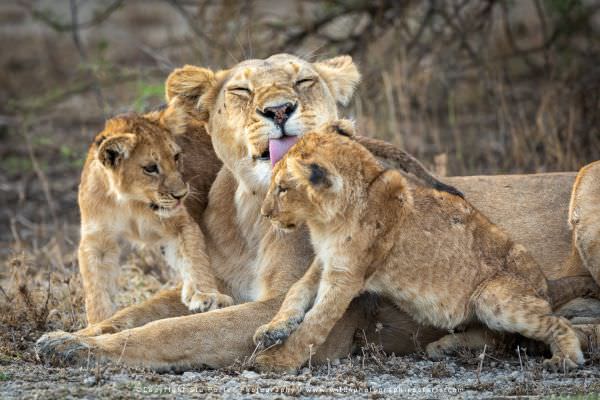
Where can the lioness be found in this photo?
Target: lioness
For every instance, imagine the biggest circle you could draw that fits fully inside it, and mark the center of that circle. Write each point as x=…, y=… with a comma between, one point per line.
x=144, y=180
x=434, y=255
x=254, y=261
x=584, y=219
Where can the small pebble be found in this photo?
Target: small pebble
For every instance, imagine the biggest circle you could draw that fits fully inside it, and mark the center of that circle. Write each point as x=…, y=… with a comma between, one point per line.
x=90, y=381
x=190, y=376
x=250, y=375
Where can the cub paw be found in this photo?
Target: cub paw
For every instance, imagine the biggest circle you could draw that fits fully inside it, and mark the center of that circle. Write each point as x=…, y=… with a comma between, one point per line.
x=435, y=351
x=276, y=332
x=562, y=363
x=61, y=349
x=202, y=302
x=559, y=364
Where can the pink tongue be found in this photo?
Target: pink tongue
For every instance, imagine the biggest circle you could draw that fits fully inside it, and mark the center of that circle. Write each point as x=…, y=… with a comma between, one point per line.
x=278, y=147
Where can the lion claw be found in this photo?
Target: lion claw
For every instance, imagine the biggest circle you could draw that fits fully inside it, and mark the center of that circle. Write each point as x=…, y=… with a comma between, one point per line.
x=272, y=334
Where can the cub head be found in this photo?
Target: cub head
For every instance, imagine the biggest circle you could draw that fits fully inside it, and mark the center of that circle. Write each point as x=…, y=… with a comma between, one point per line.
x=320, y=178
x=258, y=109
x=142, y=159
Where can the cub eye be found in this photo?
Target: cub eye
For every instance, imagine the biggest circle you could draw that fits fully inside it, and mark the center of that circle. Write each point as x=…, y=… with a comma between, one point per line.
x=281, y=189
x=240, y=91
x=305, y=82
x=151, y=169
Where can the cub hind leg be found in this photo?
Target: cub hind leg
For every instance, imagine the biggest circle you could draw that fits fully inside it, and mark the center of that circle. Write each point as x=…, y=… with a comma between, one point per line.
x=475, y=338
x=507, y=304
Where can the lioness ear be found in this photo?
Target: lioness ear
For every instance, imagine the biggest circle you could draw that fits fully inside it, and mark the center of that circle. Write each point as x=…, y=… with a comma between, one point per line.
x=113, y=150
x=343, y=127
x=189, y=84
x=341, y=76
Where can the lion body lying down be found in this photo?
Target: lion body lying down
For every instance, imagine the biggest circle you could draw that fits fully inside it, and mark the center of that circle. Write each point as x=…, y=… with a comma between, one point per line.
x=257, y=265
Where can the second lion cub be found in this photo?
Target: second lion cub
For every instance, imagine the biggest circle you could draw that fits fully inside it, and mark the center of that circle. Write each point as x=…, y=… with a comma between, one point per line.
x=430, y=252
x=146, y=180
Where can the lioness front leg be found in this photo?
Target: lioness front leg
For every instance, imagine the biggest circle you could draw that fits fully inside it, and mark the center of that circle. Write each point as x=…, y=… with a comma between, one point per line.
x=200, y=291
x=215, y=339
x=290, y=315
x=98, y=256
x=505, y=304
x=336, y=291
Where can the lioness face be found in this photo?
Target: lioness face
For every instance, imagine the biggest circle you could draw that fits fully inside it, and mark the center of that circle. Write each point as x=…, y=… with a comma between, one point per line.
x=256, y=110
x=144, y=163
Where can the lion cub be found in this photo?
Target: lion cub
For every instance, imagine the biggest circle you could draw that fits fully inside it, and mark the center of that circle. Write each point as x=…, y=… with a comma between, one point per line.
x=146, y=180
x=430, y=252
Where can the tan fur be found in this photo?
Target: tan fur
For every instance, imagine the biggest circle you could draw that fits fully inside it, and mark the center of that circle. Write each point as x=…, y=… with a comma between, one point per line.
x=118, y=199
x=584, y=220
x=244, y=248
x=433, y=254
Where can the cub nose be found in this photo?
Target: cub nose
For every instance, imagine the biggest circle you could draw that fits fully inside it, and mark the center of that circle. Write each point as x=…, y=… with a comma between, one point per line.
x=179, y=195
x=279, y=114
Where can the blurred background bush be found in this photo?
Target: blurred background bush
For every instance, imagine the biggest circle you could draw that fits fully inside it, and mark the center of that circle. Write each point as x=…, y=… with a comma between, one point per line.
x=470, y=87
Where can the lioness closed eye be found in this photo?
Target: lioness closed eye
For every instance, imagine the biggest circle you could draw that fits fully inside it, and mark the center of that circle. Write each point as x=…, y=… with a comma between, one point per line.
x=133, y=187
x=431, y=253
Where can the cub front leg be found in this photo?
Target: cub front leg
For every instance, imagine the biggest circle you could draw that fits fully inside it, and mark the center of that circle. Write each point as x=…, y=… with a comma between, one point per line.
x=98, y=257
x=336, y=291
x=187, y=253
x=290, y=315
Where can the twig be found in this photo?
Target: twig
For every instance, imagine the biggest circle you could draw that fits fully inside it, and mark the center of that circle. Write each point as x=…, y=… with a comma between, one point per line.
x=9, y=299
x=98, y=18
x=481, y=358
x=124, y=347
x=39, y=173
x=84, y=57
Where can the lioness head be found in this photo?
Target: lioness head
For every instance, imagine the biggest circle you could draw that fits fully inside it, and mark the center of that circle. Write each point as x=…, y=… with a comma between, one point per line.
x=256, y=110
x=142, y=160
x=320, y=177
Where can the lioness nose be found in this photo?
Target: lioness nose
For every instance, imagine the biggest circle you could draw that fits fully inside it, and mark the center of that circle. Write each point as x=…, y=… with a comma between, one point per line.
x=279, y=114
x=179, y=195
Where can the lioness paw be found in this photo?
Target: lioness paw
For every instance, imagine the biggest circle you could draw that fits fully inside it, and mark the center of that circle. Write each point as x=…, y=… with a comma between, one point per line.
x=202, y=302
x=62, y=348
x=276, y=332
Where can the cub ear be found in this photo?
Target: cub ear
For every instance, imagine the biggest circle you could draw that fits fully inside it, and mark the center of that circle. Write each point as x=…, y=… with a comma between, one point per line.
x=316, y=175
x=115, y=149
x=174, y=118
x=189, y=84
x=395, y=185
x=343, y=127
x=341, y=76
